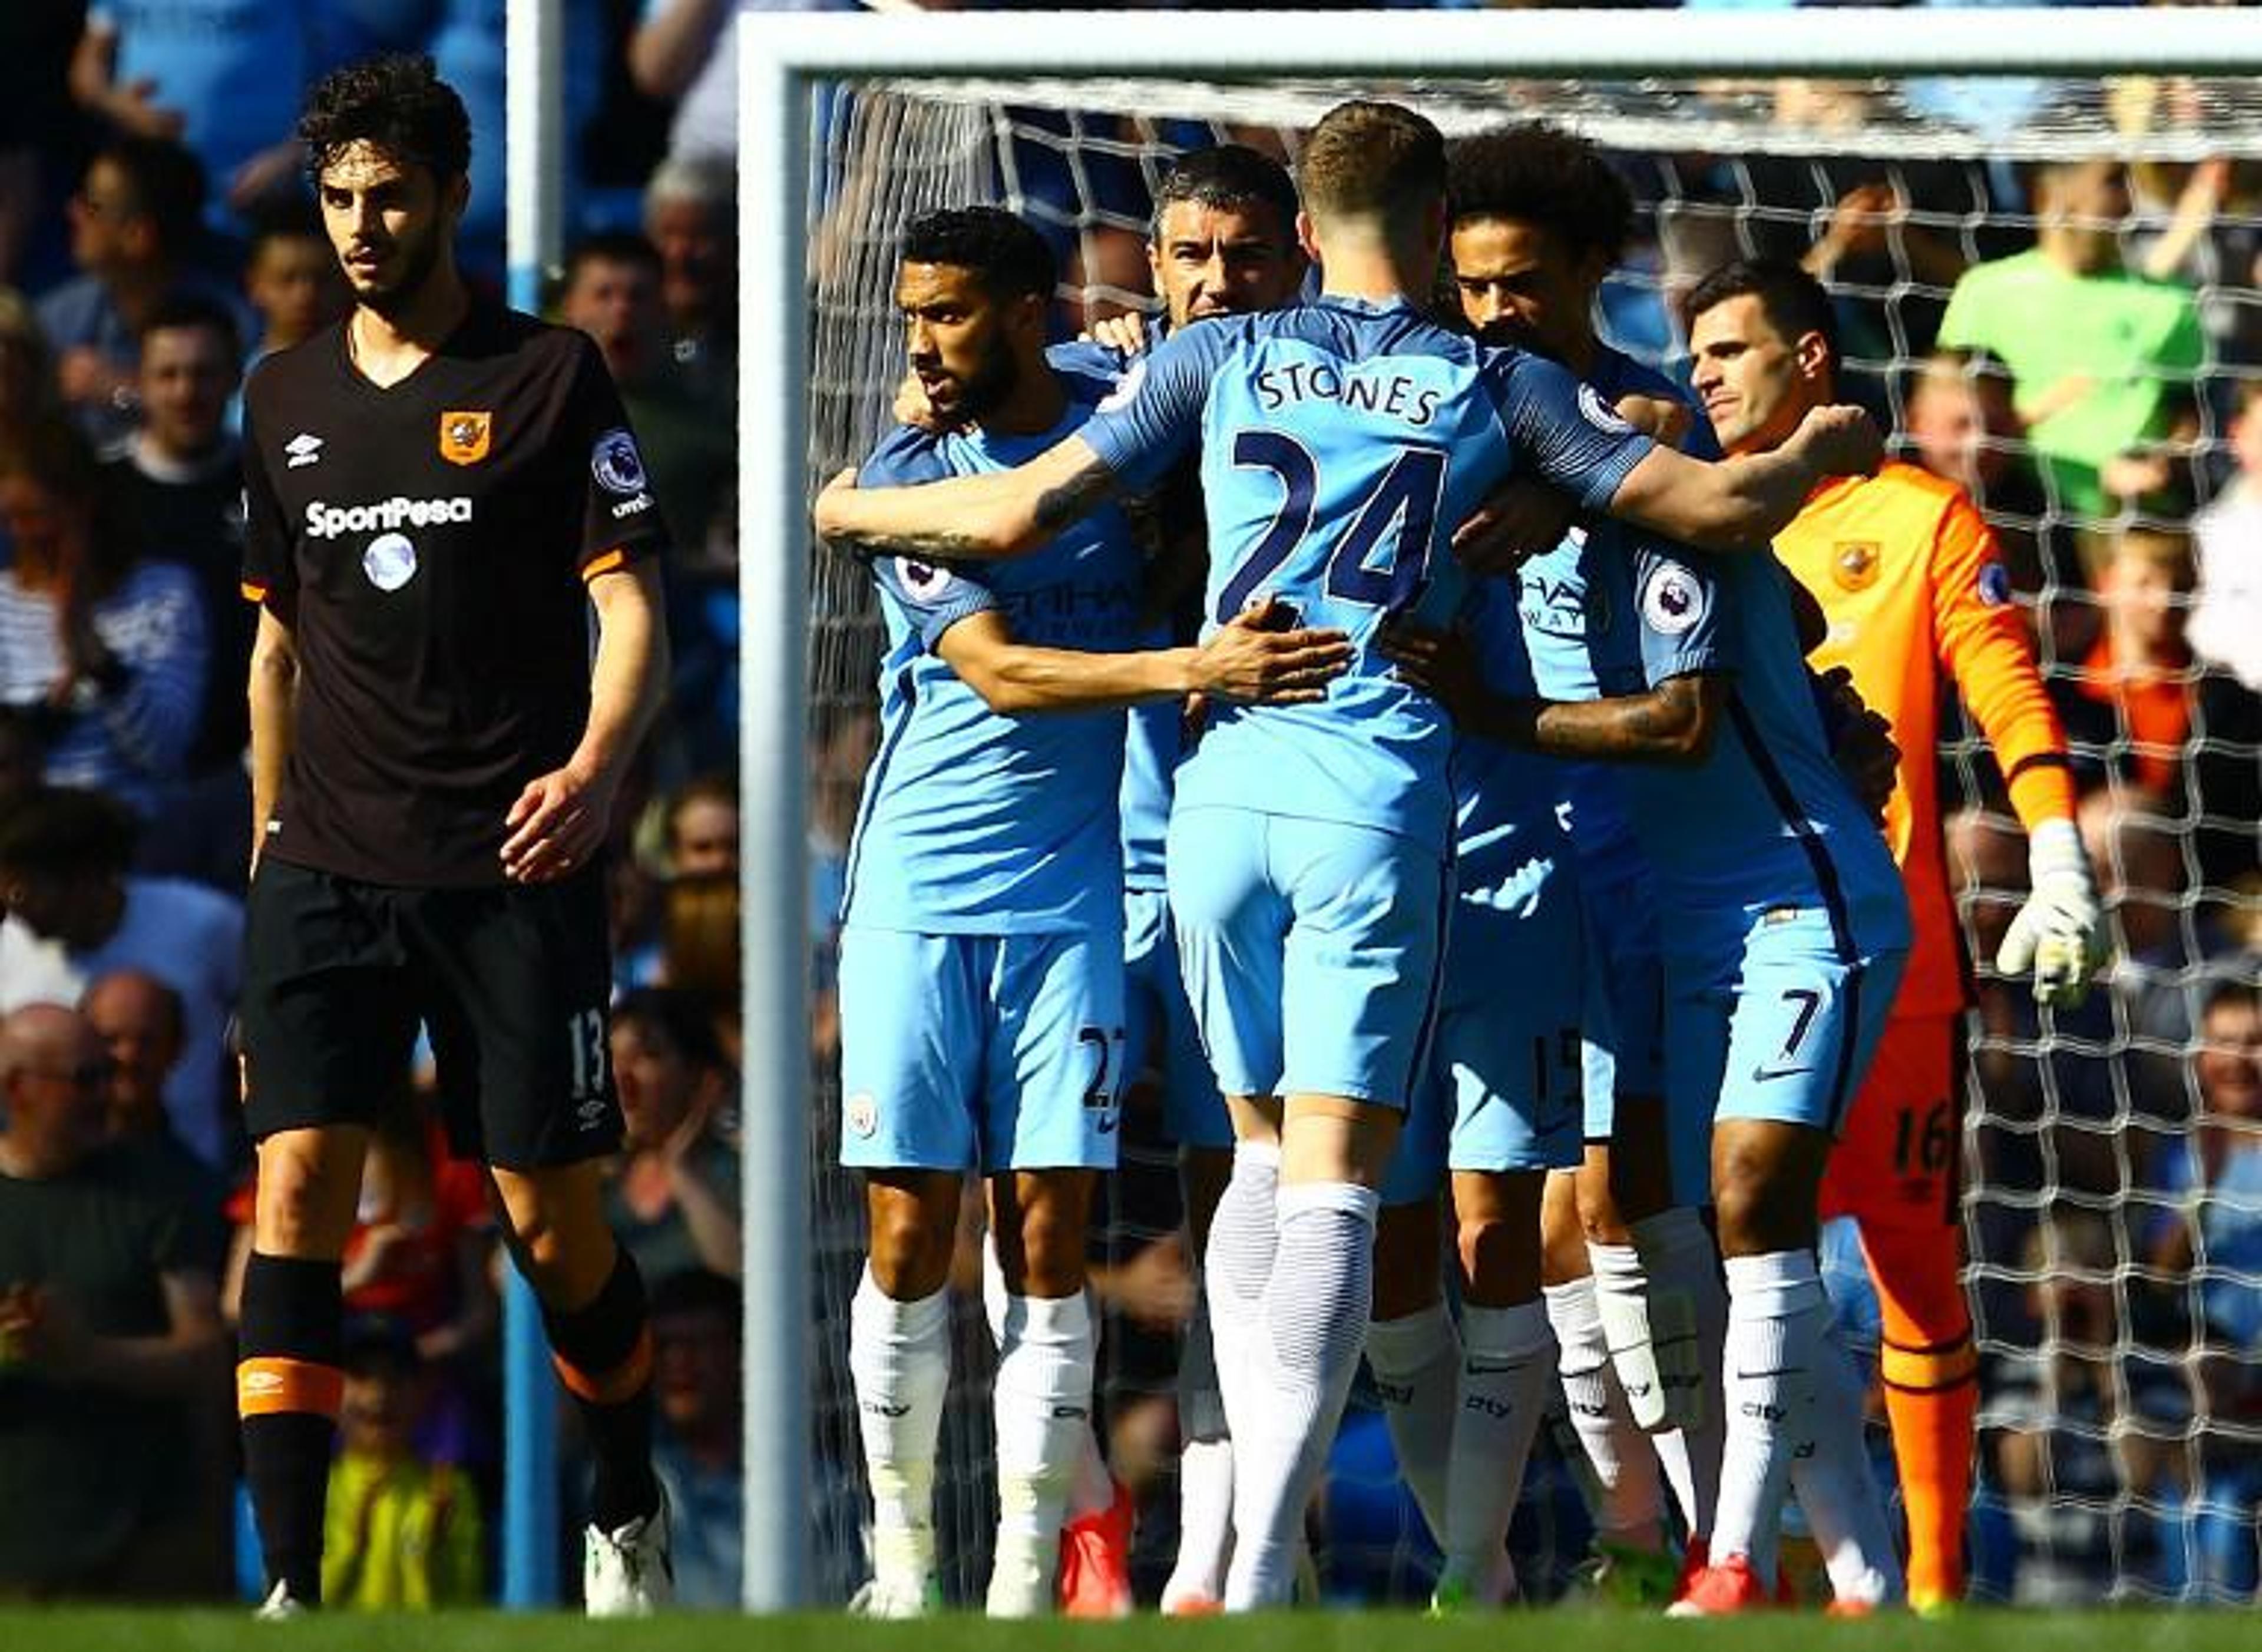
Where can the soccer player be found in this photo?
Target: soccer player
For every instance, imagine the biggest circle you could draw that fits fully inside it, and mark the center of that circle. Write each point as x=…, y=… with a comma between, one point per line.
x=1223, y=243
x=980, y=960
x=1340, y=442
x=1914, y=585
x=439, y=490
x=1539, y=218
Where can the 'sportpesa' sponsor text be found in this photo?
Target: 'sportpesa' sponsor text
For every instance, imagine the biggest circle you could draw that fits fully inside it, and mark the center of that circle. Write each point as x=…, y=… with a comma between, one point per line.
x=327, y=521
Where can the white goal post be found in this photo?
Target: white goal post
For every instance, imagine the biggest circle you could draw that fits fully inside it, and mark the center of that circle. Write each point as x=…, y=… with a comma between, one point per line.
x=784, y=57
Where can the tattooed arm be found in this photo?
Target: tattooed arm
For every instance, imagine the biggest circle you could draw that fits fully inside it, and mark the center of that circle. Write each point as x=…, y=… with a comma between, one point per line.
x=998, y=514
x=1672, y=723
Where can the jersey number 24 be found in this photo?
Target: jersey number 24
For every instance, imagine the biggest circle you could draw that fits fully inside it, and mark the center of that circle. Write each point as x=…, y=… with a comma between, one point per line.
x=1373, y=565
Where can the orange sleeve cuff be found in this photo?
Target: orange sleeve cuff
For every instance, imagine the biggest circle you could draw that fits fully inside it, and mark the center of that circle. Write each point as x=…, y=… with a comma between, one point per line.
x=604, y=562
x=2042, y=792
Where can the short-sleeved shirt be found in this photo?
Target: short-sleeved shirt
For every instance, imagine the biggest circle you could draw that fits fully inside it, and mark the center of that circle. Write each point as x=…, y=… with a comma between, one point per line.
x=1584, y=643
x=1767, y=821
x=1342, y=441
x=435, y=537
x=2136, y=341
x=973, y=822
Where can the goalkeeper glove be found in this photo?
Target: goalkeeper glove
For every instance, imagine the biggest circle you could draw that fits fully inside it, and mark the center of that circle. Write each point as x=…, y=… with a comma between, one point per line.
x=2059, y=933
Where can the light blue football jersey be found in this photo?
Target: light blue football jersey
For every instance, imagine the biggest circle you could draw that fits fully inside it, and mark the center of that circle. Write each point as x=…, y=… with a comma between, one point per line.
x=1341, y=443
x=1508, y=830
x=1584, y=642
x=972, y=822
x=1154, y=739
x=1767, y=822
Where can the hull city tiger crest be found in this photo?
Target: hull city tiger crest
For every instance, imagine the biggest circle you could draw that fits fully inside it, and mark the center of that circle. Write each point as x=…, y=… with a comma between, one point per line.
x=465, y=436
x=1853, y=563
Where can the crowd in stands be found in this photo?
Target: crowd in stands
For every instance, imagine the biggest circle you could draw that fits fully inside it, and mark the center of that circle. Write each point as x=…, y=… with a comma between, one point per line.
x=2095, y=382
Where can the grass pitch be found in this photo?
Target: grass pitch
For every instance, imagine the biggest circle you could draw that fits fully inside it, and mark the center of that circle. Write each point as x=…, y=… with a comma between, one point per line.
x=83, y=1630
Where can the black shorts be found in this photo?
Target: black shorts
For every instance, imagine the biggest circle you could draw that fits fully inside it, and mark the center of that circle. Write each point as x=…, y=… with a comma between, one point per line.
x=512, y=982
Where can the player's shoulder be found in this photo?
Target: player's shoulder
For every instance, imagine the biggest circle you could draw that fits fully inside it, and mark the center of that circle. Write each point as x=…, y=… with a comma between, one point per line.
x=279, y=372
x=1085, y=362
x=1618, y=374
x=906, y=455
x=1899, y=481
x=497, y=331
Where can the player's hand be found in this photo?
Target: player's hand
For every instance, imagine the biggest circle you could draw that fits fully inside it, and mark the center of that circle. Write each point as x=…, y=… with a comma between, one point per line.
x=913, y=406
x=1252, y=661
x=1661, y=417
x=556, y=826
x=2059, y=933
x=1862, y=742
x=1518, y=520
x=1126, y=332
x=1841, y=439
x=1155, y=1288
x=1440, y=663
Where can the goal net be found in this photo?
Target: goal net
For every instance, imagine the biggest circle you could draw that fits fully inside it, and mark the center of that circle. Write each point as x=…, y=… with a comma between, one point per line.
x=2112, y=1156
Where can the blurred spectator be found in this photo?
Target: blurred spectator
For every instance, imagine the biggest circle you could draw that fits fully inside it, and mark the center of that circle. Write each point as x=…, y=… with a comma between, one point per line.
x=29, y=393
x=293, y=280
x=134, y=229
x=73, y=915
x=2128, y=706
x=702, y=824
x=612, y=292
x=2211, y=1179
x=1963, y=427
x=110, y=1344
x=222, y=76
x=686, y=52
x=109, y=646
x=140, y=1024
x=697, y=1377
x=36, y=137
x=403, y=1530
x=2105, y=359
x=2085, y=1422
x=2226, y=622
x=672, y=1200
x=690, y=212
x=182, y=476
x=700, y=940
x=20, y=758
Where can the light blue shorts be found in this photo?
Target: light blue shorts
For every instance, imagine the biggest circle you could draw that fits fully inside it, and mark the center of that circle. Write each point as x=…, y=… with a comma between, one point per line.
x=980, y=1051
x=1310, y=952
x=1502, y=1091
x=1775, y=1023
x=1623, y=1018
x=1163, y=1048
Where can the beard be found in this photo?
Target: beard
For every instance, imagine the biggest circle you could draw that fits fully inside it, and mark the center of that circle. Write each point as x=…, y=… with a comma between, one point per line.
x=419, y=258
x=986, y=389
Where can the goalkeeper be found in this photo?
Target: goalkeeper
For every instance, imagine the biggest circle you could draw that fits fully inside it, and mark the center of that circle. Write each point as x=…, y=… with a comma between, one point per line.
x=1913, y=585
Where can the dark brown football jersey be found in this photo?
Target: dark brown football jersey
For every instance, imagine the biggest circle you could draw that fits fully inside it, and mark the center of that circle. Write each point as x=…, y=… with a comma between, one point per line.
x=429, y=543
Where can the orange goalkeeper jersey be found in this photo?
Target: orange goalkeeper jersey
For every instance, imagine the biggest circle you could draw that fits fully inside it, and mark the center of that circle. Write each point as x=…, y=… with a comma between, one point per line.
x=1910, y=577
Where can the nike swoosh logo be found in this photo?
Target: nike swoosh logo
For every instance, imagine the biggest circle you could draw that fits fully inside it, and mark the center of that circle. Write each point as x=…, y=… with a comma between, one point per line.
x=1787, y=1370
x=1761, y=1075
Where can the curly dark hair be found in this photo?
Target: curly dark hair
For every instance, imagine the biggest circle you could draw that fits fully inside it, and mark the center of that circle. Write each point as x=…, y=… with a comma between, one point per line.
x=1541, y=174
x=1010, y=259
x=397, y=104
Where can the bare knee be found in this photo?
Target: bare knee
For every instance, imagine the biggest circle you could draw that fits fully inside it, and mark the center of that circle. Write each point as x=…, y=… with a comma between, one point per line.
x=309, y=1187
x=1562, y=1242
x=910, y=1246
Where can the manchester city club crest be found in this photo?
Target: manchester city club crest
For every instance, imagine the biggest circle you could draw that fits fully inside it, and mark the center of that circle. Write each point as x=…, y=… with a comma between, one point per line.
x=1853, y=563
x=465, y=436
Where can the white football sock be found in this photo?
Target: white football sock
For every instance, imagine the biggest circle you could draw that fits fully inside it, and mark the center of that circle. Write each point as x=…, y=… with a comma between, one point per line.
x=1416, y=1362
x=1043, y=1406
x=1507, y=1365
x=1622, y=1298
x=1093, y=1489
x=899, y=1360
x=1777, y=1317
x=1839, y=1494
x=1629, y=1501
x=1204, y=1470
x=1245, y=1233
x=1306, y=1352
x=1685, y=1273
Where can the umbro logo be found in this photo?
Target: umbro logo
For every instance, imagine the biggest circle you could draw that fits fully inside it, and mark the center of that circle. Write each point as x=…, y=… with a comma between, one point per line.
x=303, y=450
x=882, y=1408
x=590, y=1113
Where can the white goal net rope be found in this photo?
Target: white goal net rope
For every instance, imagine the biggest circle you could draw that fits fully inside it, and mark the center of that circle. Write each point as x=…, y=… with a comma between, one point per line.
x=2113, y=1212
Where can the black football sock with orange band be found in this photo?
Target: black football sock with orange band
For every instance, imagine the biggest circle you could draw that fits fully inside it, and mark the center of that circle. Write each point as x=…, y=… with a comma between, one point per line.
x=603, y=1354
x=288, y=1385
